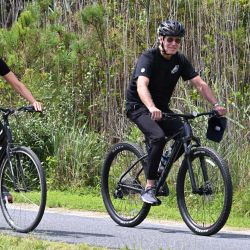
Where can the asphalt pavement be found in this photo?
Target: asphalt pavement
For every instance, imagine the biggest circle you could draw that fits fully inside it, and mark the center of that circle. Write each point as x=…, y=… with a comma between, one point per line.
x=99, y=230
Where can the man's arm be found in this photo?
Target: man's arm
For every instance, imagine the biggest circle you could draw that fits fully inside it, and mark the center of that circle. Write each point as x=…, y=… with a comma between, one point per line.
x=22, y=90
x=207, y=93
x=143, y=92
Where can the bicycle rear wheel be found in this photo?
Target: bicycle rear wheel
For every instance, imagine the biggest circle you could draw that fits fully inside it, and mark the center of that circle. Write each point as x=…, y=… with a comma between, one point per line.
x=121, y=190
x=207, y=211
x=23, y=189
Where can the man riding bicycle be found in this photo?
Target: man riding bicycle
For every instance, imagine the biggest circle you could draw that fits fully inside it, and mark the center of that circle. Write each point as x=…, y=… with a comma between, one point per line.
x=11, y=78
x=148, y=95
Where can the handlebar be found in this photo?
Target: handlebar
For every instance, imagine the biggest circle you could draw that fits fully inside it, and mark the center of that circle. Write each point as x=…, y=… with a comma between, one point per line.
x=9, y=111
x=191, y=116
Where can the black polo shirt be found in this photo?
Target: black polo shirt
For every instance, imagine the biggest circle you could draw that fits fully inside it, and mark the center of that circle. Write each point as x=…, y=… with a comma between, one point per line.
x=4, y=69
x=163, y=76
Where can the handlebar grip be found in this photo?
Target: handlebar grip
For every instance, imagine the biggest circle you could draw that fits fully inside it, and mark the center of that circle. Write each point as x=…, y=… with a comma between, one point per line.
x=30, y=109
x=215, y=113
x=27, y=109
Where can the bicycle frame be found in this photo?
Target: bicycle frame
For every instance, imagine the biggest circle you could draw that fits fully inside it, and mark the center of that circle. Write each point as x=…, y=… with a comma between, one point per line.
x=120, y=184
x=7, y=150
x=184, y=139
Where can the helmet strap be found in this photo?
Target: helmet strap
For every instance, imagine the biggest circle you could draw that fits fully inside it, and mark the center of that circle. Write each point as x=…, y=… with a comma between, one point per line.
x=163, y=49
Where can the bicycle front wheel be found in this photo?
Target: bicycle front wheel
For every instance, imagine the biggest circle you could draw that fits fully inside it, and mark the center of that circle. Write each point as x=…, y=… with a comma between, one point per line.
x=206, y=210
x=123, y=179
x=23, y=189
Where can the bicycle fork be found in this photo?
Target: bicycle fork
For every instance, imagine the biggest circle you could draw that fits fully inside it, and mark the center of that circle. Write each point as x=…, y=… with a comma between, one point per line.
x=205, y=188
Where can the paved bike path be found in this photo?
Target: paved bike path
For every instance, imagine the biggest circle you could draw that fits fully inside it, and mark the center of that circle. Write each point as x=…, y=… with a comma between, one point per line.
x=98, y=230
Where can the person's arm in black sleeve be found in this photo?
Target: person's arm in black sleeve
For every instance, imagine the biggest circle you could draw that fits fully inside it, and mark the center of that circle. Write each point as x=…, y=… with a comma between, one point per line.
x=4, y=69
x=11, y=78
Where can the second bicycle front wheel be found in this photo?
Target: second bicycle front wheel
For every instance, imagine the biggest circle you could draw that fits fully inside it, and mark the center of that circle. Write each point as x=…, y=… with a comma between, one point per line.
x=205, y=210
x=23, y=189
x=123, y=179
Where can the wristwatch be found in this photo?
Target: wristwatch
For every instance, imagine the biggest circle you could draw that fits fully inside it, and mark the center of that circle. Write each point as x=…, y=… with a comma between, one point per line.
x=216, y=104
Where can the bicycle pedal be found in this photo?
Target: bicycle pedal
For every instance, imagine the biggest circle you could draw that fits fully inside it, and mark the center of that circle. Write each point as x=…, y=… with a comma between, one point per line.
x=164, y=190
x=10, y=199
x=158, y=203
x=7, y=199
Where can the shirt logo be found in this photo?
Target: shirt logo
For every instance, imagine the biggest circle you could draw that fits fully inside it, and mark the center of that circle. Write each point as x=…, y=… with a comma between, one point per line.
x=175, y=69
x=142, y=70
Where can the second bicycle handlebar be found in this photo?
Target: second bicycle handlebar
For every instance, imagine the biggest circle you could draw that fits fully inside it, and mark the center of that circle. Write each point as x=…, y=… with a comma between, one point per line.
x=9, y=111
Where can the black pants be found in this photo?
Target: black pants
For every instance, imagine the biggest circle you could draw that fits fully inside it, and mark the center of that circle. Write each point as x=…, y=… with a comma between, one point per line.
x=155, y=132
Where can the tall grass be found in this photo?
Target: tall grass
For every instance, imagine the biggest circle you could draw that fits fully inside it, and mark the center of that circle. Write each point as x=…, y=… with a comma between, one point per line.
x=77, y=159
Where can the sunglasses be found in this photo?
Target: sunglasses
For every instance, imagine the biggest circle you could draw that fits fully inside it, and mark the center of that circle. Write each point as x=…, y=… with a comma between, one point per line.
x=171, y=39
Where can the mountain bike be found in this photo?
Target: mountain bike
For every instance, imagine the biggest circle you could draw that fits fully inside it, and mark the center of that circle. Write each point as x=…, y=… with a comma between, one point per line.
x=22, y=180
x=203, y=187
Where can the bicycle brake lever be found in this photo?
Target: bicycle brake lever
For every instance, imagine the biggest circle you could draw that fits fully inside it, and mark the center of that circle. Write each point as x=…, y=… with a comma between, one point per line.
x=194, y=113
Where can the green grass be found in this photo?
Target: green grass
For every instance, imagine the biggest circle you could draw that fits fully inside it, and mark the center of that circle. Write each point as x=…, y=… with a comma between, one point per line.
x=21, y=243
x=91, y=200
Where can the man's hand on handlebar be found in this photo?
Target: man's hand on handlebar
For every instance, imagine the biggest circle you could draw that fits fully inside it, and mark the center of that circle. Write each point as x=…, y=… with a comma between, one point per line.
x=156, y=114
x=221, y=110
x=37, y=106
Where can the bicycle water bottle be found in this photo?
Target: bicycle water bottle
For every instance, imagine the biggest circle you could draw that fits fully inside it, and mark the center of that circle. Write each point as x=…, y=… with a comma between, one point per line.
x=164, y=160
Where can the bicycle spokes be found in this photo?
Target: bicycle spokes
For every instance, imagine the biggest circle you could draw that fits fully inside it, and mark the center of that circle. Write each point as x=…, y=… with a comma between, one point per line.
x=23, y=179
x=122, y=182
x=206, y=210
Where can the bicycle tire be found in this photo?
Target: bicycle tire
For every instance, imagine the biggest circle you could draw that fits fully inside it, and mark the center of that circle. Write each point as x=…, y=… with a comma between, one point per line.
x=28, y=190
x=205, y=213
x=123, y=204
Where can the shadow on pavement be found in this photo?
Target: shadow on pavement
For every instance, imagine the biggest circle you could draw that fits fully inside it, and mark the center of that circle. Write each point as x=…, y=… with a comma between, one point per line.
x=223, y=235
x=54, y=233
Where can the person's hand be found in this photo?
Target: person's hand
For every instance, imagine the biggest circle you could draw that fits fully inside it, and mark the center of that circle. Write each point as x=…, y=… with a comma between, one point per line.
x=221, y=110
x=156, y=114
x=37, y=106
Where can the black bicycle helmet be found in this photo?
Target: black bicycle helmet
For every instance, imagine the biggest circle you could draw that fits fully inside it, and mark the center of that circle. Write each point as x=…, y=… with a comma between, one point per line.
x=171, y=28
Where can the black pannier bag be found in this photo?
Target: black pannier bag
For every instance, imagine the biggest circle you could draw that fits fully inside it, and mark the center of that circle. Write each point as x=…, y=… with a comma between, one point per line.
x=216, y=128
